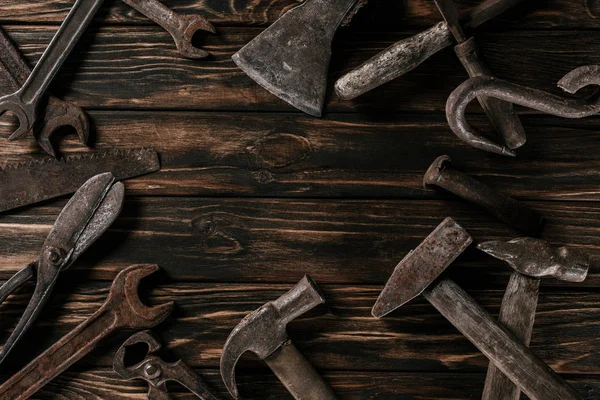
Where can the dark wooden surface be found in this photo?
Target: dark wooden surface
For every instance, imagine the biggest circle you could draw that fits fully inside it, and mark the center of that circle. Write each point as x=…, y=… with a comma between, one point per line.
x=254, y=194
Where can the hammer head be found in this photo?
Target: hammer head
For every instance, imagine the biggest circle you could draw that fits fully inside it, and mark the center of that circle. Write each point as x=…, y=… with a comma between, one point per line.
x=421, y=266
x=264, y=330
x=291, y=58
x=536, y=258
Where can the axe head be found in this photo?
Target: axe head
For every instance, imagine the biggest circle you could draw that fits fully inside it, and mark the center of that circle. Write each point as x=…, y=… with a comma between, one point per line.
x=291, y=57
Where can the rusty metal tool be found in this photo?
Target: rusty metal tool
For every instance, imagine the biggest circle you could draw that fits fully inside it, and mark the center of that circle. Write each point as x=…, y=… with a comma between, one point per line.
x=418, y=274
x=291, y=57
x=508, y=210
x=181, y=27
x=521, y=95
x=407, y=54
x=264, y=332
x=89, y=213
x=27, y=183
x=157, y=372
x=57, y=112
x=122, y=309
x=500, y=113
x=531, y=259
x=24, y=102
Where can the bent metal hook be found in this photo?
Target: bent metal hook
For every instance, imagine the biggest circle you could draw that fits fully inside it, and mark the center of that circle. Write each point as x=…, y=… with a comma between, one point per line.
x=535, y=99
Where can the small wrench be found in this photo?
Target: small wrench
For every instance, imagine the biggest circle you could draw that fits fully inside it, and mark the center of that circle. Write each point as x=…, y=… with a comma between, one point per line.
x=181, y=27
x=23, y=103
x=122, y=309
x=57, y=112
x=157, y=372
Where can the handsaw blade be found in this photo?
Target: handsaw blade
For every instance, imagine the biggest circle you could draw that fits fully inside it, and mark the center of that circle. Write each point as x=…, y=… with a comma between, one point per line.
x=452, y=18
x=422, y=266
x=36, y=181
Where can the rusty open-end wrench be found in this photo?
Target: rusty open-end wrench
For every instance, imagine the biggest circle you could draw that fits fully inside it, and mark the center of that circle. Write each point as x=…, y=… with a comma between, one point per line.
x=57, y=112
x=122, y=309
x=181, y=27
x=24, y=102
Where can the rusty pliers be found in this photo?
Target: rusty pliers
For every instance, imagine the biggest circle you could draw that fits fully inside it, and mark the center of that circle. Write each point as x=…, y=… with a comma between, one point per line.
x=57, y=113
x=88, y=214
x=524, y=96
x=157, y=372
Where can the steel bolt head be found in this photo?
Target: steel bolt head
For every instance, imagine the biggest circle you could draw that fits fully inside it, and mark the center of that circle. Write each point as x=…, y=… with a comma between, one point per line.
x=152, y=371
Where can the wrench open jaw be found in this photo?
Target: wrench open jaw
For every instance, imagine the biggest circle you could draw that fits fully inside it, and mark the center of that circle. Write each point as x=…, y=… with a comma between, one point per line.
x=190, y=24
x=524, y=96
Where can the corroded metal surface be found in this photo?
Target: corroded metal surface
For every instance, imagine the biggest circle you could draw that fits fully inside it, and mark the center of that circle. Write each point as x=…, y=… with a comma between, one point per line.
x=264, y=333
x=21, y=184
x=122, y=309
x=508, y=210
x=521, y=95
x=156, y=372
x=24, y=102
x=57, y=112
x=87, y=215
x=291, y=57
x=181, y=27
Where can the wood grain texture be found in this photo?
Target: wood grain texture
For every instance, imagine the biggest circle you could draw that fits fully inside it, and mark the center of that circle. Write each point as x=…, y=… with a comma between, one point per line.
x=292, y=155
x=270, y=240
x=110, y=69
x=339, y=335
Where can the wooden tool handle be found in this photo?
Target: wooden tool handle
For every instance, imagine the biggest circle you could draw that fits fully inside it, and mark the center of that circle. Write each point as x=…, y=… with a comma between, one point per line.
x=298, y=375
x=536, y=379
x=517, y=314
x=396, y=60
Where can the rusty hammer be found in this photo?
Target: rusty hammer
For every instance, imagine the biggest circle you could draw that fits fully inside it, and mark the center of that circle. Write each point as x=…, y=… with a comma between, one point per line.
x=418, y=272
x=531, y=259
x=264, y=332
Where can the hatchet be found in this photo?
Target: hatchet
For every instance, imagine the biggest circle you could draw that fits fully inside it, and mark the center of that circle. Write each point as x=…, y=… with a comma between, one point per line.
x=291, y=57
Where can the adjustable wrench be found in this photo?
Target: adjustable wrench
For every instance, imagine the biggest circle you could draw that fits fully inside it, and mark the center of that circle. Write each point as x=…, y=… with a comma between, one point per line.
x=57, y=112
x=122, y=309
x=181, y=27
x=23, y=103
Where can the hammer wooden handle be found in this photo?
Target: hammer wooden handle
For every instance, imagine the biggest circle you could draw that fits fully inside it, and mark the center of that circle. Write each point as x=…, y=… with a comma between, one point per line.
x=536, y=379
x=395, y=61
x=517, y=314
x=298, y=375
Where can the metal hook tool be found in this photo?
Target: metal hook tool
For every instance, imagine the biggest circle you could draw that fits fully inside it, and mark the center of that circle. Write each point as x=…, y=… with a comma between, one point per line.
x=157, y=372
x=528, y=97
x=88, y=214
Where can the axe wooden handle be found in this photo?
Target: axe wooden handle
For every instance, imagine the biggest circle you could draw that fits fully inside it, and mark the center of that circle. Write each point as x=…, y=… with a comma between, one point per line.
x=536, y=379
x=517, y=314
x=396, y=60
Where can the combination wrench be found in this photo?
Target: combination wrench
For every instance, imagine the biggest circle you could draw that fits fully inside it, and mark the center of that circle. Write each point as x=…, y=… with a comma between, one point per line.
x=57, y=112
x=24, y=102
x=181, y=27
x=122, y=309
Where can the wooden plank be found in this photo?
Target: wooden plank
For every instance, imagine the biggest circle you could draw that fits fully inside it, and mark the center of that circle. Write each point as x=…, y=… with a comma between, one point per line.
x=105, y=384
x=344, y=155
x=340, y=335
x=271, y=240
x=379, y=15
x=111, y=69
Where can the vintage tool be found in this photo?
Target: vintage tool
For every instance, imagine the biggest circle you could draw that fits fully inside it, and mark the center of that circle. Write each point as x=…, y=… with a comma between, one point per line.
x=291, y=57
x=57, y=112
x=23, y=103
x=521, y=95
x=417, y=274
x=508, y=210
x=531, y=259
x=88, y=214
x=407, y=54
x=181, y=27
x=26, y=183
x=157, y=372
x=264, y=332
x=122, y=309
